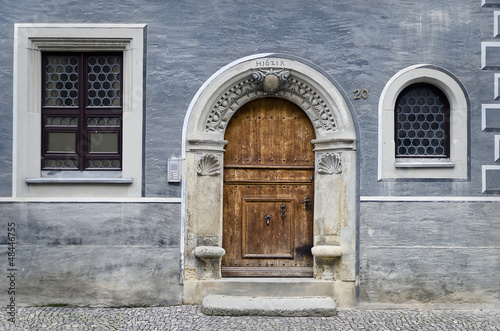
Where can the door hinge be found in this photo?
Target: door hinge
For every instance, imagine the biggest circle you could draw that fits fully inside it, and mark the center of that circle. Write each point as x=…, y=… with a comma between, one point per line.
x=283, y=211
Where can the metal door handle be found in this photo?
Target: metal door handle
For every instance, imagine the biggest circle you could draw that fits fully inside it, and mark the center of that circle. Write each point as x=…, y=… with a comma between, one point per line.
x=307, y=203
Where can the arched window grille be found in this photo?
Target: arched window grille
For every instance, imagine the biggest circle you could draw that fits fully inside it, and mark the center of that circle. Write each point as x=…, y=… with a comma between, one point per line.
x=422, y=123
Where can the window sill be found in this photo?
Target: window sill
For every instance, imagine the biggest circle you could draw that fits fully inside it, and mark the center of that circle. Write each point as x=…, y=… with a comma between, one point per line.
x=423, y=163
x=119, y=181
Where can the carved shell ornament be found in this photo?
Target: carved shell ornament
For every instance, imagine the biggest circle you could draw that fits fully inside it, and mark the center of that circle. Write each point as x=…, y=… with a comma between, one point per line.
x=208, y=165
x=329, y=163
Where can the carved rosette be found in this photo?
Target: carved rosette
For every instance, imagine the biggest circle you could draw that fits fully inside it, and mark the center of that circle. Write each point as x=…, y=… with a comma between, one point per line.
x=280, y=84
x=271, y=81
x=329, y=163
x=208, y=165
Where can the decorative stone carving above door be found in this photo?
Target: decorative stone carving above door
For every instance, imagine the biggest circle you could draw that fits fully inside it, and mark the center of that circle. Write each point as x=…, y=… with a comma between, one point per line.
x=271, y=80
x=289, y=87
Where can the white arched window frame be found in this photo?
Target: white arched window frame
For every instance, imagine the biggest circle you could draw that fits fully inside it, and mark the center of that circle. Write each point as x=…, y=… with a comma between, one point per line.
x=453, y=168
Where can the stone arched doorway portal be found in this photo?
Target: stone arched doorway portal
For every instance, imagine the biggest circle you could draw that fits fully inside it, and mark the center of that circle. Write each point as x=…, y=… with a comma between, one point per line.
x=335, y=177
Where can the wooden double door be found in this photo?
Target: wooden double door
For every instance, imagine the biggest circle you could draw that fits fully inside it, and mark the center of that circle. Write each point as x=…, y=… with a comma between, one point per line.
x=268, y=191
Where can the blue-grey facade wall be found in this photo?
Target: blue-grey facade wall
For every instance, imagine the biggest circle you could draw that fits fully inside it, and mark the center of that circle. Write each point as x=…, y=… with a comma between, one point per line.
x=361, y=44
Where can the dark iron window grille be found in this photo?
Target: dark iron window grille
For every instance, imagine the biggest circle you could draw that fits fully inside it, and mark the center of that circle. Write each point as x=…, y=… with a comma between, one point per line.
x=422, y=123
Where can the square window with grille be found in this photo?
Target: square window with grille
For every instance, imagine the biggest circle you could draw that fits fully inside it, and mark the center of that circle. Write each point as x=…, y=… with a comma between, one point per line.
x=422, y=120
x=82, y=111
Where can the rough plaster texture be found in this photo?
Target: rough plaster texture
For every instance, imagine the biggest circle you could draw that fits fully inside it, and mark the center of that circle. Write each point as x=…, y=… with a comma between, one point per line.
x=415, y=253
x=361, y=46
x=91, y=254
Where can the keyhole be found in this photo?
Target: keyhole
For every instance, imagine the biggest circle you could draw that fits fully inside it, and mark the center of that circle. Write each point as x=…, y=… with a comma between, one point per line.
x=267, y=218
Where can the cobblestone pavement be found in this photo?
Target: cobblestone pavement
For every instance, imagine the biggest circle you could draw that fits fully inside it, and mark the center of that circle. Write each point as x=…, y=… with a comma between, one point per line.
x=191, y=318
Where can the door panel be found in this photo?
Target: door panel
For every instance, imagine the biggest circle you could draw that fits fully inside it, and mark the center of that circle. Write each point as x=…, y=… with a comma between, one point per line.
x=268, y=169
x=268, y=235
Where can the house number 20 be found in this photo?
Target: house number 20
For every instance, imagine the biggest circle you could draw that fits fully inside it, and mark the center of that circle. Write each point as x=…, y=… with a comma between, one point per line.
x=360, y=94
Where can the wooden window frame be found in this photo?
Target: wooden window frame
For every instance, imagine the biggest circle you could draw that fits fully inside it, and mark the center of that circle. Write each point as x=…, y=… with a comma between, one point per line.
x=82, y=112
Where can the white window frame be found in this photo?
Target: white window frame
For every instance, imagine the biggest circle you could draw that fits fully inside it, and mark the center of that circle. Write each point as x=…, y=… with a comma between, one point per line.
x=456, y=166
x=30, y=40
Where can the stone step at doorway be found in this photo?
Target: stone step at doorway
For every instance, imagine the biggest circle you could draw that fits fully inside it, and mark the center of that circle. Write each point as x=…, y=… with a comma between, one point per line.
x=340, y=291
x=227, y=305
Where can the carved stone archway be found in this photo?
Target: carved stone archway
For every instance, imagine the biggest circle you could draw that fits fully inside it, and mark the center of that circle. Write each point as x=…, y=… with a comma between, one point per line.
x=335, y=169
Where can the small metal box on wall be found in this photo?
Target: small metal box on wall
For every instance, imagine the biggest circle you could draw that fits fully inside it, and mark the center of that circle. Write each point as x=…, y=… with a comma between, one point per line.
x=174, y=170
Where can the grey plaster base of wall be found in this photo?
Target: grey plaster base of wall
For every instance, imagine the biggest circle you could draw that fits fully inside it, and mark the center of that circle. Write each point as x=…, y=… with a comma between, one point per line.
x=94, y=254
x=422, y=276
x=416, y=253
x=96, y=276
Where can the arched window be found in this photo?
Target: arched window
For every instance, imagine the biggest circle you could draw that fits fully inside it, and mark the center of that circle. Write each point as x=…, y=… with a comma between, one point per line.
x=422, y=122
x=423, y=126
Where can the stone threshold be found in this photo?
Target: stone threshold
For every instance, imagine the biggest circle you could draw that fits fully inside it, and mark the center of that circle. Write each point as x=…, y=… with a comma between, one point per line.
x=227, y=305
x=342, y=291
